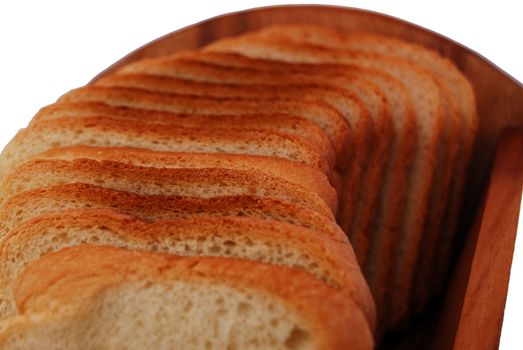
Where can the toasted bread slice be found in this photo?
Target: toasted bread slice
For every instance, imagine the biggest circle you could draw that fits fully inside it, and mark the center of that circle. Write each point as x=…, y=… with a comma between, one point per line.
x=108, y=132
x=196, y=302
x=201, y=183
x=262, y=240
x=27, y=205
x=426, y=99
x=292, y=172
x=321, y=113
x=275, y=122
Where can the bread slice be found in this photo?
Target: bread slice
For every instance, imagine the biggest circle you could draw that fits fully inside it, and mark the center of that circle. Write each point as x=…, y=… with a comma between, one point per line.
x=231, y=69
x=460, y=117
x=200, y=183
x=30, y=204
x=285, y=123
x=427, y=106
x=320, y=113
x=292, y=172
x=108, y=132
x=261, y=240
x=195, y=302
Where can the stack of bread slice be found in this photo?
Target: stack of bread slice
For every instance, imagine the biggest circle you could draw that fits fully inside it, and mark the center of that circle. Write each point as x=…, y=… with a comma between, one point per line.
x=206, y=197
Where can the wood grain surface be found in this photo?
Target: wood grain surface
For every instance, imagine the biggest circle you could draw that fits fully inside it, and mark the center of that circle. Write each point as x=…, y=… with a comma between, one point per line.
x=481, y=317
x=472, y=310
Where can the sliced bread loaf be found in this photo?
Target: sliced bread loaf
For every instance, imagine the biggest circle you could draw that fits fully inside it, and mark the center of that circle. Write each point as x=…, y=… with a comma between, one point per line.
x=197, y=302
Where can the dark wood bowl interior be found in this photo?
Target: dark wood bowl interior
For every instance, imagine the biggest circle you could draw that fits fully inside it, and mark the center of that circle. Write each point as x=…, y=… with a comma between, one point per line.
x=499, y=101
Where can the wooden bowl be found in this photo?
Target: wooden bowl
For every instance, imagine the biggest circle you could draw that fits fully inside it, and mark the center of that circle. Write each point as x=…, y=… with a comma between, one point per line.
x=470, y=313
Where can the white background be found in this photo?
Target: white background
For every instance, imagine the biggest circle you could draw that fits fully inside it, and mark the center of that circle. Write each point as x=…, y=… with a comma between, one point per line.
x=49, y=47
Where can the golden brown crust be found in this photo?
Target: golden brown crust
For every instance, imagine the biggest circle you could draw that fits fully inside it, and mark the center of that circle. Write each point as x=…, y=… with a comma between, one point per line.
x=335, y=257
x=379, y=159
x=315, y=302
x=293, y=172
x=29, y=204
x=119, y=176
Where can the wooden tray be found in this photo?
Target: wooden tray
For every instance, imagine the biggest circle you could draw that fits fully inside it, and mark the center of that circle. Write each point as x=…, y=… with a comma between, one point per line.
x=470, y=313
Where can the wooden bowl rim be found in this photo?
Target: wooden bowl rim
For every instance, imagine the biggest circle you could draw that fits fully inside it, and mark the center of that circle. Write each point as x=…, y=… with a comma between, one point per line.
x=381, y=16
